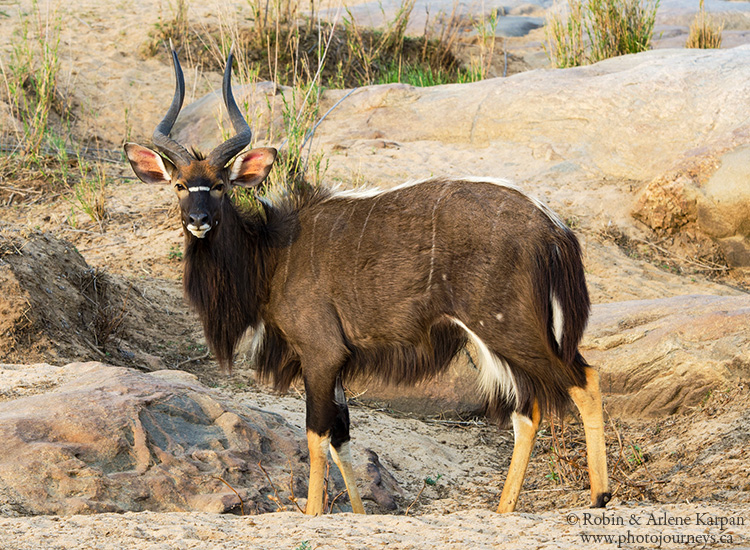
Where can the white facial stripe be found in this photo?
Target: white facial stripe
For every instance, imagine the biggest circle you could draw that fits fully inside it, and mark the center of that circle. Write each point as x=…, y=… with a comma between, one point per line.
x=197, y=189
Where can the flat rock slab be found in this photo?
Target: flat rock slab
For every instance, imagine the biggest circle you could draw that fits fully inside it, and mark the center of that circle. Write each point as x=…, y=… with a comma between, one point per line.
x=89, y=437
x=659, y=357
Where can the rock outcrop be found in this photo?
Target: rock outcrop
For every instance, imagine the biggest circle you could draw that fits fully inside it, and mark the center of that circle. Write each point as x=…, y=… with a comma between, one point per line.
x=706, y=205
x=89, y=437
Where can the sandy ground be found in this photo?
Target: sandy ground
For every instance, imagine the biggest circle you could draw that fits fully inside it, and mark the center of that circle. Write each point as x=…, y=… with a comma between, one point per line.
x=619, y=527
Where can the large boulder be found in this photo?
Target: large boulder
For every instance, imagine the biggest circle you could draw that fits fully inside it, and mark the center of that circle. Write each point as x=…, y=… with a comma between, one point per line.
x=89, y=437
x=629, y=117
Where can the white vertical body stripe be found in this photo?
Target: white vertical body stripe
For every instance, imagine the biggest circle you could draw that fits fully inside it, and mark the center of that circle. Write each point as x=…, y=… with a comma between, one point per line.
x=495, y=376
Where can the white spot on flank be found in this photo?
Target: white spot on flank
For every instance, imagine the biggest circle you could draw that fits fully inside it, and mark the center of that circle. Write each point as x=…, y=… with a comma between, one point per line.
x=557, y=318
x=499, y=317
x=495, y=376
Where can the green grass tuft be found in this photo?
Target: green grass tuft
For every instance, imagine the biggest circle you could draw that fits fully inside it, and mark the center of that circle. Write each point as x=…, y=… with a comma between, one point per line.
x=599, y=29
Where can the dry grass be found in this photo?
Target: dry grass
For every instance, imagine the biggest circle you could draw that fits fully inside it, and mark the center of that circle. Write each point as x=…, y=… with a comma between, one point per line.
x=627, y=460
x=286, y=47
x=704, y=33
x=564, y=36
x=103, y=318
x=29, y=81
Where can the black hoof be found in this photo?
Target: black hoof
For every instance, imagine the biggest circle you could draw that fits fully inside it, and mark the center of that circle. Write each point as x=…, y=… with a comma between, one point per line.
x=602, y=499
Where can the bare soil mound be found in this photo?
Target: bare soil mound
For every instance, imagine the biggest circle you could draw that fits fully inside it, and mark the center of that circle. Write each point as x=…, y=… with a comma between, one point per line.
x=56, y=308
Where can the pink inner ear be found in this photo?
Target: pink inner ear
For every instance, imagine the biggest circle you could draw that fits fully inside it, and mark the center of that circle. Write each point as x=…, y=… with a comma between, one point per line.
x=254, y=159
x=143, y=154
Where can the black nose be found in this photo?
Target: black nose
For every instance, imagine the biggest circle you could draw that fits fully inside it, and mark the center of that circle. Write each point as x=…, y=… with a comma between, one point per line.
x=198, y=219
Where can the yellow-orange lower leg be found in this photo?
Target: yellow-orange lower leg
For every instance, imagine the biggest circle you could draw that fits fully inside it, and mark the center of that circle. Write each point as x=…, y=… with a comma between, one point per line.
x=318, y=447
x=588, y=400
x=524, y=430
x=343, y=459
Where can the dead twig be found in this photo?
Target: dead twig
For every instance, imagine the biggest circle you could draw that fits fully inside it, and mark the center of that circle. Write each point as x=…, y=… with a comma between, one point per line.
x=275, y=498
x=22, y=192
x=191, y=359
x=419, y=494
x=330, y=510
x=669, y=254
x=242, y=504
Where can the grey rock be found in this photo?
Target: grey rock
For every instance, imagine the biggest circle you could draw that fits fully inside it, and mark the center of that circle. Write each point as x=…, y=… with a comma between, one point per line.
x=112, y=439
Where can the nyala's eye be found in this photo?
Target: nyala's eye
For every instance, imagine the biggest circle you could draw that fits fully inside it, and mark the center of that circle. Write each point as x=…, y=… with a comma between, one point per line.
x=219, y=187
x=180, y=187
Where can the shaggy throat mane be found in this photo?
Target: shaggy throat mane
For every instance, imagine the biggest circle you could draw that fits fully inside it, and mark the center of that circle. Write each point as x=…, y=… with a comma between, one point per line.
x=224, y=280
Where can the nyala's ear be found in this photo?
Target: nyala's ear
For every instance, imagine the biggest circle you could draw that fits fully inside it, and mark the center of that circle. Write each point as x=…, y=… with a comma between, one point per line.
x=150, y=167
x=251, y=168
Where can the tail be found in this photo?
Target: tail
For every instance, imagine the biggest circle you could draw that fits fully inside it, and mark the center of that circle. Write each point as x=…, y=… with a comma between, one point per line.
x=563, y=299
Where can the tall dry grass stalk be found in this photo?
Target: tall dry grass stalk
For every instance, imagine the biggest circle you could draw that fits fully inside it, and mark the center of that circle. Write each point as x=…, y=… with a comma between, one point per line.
x=564, y=35
x=703, y=32
x=620, y=27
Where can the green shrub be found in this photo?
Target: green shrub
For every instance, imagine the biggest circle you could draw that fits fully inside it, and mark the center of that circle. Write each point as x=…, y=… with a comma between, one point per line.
x=599, y=29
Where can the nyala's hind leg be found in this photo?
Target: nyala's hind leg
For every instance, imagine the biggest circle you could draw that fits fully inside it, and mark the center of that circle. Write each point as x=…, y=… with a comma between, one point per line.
x=589, y=403
x=524, y=431
x=340, y=449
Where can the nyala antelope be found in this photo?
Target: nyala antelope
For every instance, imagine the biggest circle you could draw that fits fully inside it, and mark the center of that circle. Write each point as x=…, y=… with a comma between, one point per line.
x=389, y=284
